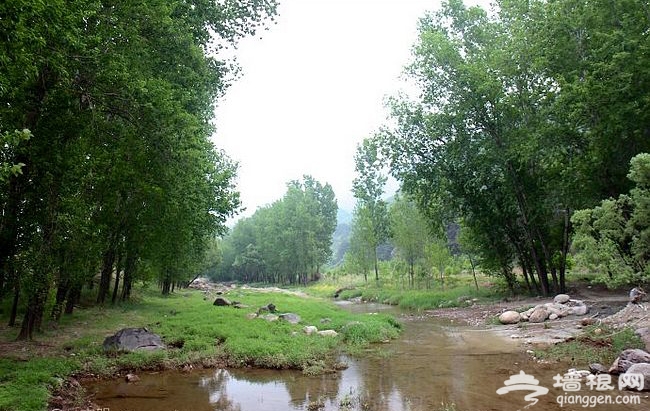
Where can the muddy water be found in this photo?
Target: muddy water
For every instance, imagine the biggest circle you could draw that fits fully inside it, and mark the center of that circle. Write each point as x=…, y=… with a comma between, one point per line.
x=432, y=363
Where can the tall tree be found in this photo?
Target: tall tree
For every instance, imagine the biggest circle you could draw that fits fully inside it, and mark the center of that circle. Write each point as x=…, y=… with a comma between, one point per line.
x=368, y=188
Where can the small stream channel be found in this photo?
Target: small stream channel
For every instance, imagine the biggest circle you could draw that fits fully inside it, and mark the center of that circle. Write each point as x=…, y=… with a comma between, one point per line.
x=433, y=362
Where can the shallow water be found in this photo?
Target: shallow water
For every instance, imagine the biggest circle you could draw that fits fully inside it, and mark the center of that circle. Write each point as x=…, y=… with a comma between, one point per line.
x=432, y=363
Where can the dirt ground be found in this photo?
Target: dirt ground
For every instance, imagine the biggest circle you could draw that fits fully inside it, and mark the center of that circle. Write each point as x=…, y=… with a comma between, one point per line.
x=608, y=306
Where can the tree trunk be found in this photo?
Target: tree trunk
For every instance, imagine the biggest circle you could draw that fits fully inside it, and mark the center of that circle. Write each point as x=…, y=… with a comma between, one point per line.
x=376, y=266
x=107, y=273
x=118, y=270
x=471, y=262
x=61, y=294
x=74, y=294
x=14, y=305
x=565, y=249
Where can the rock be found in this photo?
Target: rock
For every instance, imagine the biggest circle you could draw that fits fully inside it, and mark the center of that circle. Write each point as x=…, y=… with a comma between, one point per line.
x=598, y=331
x=627, y=358
x=643, y=369
x=132, y=378
x=596, y=368
x=579, y=310
x=328, y=333
x=221, y=302
x=539, y=315
x=644, y=333
x=290, y=318
x=239, y=305
x=587, y=321
x=561, y=299
x=560, y=310
x=553, y=316
x=577, y=307
x=309, y=329
x=269, y=308
x=325, y=320
x=250, y=316
x=269, y=317
x=131, y=339
x=524, y=317
x=510, y=317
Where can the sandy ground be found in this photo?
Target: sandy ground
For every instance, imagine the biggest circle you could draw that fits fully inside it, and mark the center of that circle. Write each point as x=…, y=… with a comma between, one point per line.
x=604, y=305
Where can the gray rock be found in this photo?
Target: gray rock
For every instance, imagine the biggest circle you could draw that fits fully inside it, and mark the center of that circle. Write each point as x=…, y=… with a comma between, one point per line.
x=560, y=310
x=579, y=310
x=325, y=320
x=509, y=317
x=328, y=333
x=309, y=329
x=577, y=307
x=643, y=369
x=221, y=302
x=269, y=317
x=627, y=358
x=539, y=315
x=132, y=339
x=561, y=299
x=596, y=368
x=553, y=316
x=290, y=318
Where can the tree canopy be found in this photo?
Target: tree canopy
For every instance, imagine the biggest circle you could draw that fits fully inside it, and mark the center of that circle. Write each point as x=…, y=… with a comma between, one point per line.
x=119, y=175
x=523, y=116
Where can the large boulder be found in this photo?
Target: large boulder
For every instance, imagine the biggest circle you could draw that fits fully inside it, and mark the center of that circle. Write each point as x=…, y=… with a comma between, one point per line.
x=132, y=339
x=221, y=302
x=643, y=369
x=509, y=317
x=561, y=299
x=539, y=315
x=290, y=318
x=627, y=358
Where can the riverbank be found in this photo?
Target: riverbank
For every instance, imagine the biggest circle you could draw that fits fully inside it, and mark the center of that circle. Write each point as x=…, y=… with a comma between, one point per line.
x=197, y=334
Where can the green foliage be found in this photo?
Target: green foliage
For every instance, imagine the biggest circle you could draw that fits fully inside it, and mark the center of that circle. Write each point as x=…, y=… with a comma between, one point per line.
x=286, y=242
x=119, y=174
x=509, y=132
x=613, y=238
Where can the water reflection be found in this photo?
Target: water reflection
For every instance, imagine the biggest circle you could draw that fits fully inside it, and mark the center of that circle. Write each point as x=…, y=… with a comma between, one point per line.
x=432, y=363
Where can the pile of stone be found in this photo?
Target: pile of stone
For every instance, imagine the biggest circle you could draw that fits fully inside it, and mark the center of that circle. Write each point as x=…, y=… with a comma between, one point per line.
x=632, y=361
x=563, y=305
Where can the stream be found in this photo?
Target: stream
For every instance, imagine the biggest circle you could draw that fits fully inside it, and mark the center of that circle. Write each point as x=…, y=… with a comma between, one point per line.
x=433, y=363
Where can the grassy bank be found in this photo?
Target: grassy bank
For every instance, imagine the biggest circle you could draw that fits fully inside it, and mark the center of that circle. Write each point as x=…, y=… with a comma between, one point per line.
x=458, y=294
x=198, y=334
x=597, y=344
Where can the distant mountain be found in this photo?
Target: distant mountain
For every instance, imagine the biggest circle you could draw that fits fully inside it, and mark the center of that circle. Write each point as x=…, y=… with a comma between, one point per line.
x=343, y=216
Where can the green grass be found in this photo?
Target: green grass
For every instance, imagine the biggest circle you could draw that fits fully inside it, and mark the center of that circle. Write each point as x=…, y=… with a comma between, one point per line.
x=201, y=334
x=421, y=299
x=597, y=344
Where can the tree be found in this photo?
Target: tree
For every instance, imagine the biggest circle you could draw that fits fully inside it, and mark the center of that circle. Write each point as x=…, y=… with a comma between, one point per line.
x=613, y=238
x=410, y=233
x=119, y=173
x=368, y=188
x=509, y=132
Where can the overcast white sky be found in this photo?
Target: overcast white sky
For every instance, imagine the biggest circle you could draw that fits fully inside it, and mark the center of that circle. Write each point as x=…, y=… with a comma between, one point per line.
x=312, y=88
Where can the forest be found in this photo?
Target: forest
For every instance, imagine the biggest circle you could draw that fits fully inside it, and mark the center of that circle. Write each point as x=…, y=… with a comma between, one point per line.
x=525, y=131
x=108, y=175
